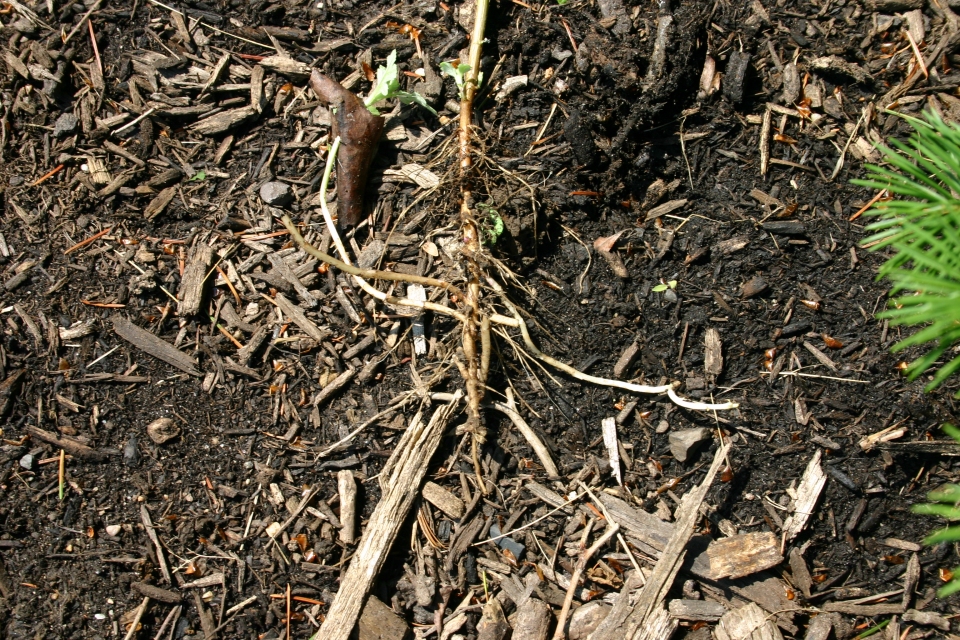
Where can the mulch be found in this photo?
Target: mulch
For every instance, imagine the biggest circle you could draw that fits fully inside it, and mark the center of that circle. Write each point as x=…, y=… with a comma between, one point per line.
x=208, y=431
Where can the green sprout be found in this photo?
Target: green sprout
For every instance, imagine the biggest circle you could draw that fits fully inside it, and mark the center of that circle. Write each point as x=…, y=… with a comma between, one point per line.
x=491, y=225
x=198, y=176
x=459, y=74
x=388, y=86
x=922, y=228
x=944, y=503
x=663, y=286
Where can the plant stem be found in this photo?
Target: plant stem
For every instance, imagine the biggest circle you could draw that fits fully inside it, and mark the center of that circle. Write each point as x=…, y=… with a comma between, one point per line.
x=470, y=235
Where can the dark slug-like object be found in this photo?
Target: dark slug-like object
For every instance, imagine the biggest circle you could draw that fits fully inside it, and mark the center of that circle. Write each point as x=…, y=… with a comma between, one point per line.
x=359, y=132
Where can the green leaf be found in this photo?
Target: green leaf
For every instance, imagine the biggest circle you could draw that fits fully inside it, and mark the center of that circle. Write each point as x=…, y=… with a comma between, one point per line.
x=387, y=87
x=491, y=225
x=951, y=587
x=659, y=288
x=199, y=175
x=459, y=74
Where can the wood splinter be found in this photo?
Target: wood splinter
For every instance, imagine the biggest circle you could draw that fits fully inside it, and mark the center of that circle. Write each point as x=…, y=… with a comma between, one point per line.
x=400, y=482
x=347, y=487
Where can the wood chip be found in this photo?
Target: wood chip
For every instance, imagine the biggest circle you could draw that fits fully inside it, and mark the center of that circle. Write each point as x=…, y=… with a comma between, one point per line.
x=552, y=498
x=821, y=626
x=533, y=620
x=194, y=277
x=811, y=485
x=609, y=429
x=664, y=209
x=218, y=68
x=285, y=65
x=801, y=574
x=306, y=298
x=72, y=446
x=156, y=593
x=696, y=610
x=379, y=622
x=296, y=314
x=333, y=387
x=626, y=359
x=8, y=390
x=747, y=623
x=821, y=356
x=415, y=173
x=742, y=555
x=347, y=489
x=713, y=353
x=649, y=606
x=892, y=432
x=493, y=621
x=154, y=346
x=651, y=532
x=120, y=151
x=726, y=247
x=902, y=544
x=444, y=500
x=910, y=579
x=223, y=121
x=863, y=609
x=159, y=203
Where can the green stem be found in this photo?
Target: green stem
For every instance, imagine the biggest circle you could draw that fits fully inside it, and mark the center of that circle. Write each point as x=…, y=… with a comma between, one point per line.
x=872, y=630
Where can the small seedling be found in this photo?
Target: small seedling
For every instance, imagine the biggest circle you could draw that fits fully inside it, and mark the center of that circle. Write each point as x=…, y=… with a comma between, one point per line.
x=387, y=87
x=459, y=74
x=198, y=176
x=491, y=225
x=663, y=286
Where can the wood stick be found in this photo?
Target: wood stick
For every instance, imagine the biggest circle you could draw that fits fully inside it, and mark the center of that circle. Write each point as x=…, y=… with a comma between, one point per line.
x=400, y=482
x=578, y=570
x=136, y=619
x=161, y=560
x=70, y=445
x=73, y=32
x=347, y=487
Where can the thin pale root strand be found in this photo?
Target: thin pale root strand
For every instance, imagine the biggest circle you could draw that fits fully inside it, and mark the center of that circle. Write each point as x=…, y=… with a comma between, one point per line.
x=669, y=389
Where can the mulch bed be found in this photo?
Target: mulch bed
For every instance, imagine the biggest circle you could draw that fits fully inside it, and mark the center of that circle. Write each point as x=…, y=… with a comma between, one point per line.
x=201, y=420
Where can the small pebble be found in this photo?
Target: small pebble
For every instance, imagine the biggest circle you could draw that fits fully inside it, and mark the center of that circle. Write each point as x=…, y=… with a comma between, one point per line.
x=131, y=453
x=508, y=544
x=276, y=194
x=65, y=125
x=25, y=26
x=27, y=462
x=685, y=442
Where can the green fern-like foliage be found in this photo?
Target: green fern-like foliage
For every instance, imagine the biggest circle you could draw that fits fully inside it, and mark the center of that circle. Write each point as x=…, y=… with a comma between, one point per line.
x=921, y=225
x=945, y=503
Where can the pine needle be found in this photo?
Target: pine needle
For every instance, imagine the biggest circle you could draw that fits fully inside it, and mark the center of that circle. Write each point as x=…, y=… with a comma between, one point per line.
x=922, y=228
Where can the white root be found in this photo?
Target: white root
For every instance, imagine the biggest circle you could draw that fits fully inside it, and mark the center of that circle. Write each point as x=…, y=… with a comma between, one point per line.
x=669, y=389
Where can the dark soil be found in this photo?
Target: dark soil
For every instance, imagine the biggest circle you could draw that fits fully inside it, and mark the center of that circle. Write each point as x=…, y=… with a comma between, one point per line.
x=593, y=141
